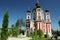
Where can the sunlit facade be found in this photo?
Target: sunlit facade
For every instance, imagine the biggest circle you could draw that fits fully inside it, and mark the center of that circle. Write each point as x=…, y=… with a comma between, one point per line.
x=39, y=20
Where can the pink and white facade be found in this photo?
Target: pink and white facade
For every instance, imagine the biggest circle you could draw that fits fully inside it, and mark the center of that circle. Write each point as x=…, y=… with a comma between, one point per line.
x=38, y=20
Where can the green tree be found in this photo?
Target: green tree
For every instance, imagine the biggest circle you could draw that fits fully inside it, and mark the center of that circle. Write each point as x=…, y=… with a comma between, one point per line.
x=40, y=33
x=22, y=22
x=59, y=23
x=4, y=33
x=53, y=32
x=9, y=31
x=17, y=24
x=15, y=31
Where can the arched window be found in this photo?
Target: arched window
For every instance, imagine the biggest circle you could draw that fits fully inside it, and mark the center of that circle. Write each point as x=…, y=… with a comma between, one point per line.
x=28, y=17
x=39, y=17
x=38, y=9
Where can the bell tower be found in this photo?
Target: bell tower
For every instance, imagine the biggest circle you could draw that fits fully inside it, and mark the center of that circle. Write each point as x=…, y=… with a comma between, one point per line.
x=28, y=15
x=28, y=21
x=48, y=20
x=39, y=15
x=48, y=23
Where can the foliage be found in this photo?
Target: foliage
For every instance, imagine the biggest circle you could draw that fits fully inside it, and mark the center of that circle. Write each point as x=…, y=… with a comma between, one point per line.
x=15, y=31
x=22, y=22
x=9, y=32
x=53, y=32
x=38, y=35
x=59, y=23
x=17, y=23
x=58, y=33
x=4, y=32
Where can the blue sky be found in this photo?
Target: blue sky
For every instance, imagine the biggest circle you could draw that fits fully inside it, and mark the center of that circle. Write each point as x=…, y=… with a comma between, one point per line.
x=17, y=9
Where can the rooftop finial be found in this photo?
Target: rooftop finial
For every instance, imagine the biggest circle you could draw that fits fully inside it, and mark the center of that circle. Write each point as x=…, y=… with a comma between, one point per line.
x=37, y=1
x=28, y=10
x=37, y=4
x=46, y=10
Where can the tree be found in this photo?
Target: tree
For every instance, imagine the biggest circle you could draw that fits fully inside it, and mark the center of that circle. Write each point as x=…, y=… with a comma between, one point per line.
x=53, y=32
x=15, y=31
x=38, y=35
x=17, y=24
x=20, y=23
x=9, y=32
x=59, y=23
x=4, y=33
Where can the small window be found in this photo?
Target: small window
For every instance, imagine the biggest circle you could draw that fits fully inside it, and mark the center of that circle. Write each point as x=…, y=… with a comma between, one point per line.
x=28, y=17
x=39, y=17
x=34, y=13
x=38, y=9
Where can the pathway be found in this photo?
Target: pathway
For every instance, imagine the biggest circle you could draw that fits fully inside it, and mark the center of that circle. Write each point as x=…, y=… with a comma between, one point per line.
x=21, y=37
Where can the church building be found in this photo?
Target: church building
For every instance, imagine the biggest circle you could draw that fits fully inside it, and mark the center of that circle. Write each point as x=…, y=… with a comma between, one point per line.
x=37, y=20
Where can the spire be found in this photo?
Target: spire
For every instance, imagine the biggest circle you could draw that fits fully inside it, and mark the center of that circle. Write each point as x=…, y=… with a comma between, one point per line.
x=28, y=10
x=37, y=1
x=37, y=4
x=34, y=9
x=47, y=10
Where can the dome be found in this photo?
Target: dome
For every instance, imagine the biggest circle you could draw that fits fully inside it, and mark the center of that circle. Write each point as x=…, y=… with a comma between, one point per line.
x=47, y=10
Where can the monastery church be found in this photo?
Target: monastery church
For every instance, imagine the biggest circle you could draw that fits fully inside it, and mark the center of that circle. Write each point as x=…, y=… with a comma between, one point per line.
x=38, y=21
